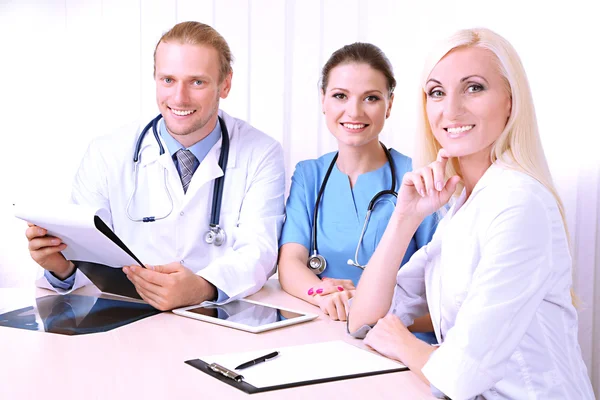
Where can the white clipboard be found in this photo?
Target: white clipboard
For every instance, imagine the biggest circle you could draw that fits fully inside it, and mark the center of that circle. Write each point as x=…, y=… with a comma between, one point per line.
x=296, y=366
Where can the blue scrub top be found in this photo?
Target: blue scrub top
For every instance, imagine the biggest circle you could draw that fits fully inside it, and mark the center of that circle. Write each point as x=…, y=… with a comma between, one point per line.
x=342, y=212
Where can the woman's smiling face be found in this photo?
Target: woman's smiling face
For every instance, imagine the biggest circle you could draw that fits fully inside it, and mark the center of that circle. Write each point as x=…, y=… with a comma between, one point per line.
x=356, y=103
x=468, y=101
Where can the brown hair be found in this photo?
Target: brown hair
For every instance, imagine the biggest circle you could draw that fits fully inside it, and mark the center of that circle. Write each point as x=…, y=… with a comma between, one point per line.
x=197, y=33
x=360, y=53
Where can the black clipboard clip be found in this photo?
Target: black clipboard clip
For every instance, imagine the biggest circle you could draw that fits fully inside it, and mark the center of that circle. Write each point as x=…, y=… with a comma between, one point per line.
x=226, y=372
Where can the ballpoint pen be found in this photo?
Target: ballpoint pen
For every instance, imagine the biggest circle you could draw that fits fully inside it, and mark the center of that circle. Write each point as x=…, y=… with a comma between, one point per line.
x=258, y=360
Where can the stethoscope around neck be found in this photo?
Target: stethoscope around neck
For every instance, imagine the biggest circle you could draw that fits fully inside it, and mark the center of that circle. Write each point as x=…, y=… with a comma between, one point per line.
x=215, y=234
x=317, y=262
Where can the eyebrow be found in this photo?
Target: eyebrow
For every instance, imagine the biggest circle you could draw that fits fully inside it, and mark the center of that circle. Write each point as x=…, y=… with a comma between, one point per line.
x=462, y=80
x=368, y=91
x=474, y=76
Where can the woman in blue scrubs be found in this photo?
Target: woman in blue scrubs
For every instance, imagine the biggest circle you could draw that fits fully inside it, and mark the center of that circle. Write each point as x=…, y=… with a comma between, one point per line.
x=357, y=85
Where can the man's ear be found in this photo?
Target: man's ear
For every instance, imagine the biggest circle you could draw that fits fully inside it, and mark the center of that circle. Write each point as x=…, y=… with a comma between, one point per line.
x=226, y=85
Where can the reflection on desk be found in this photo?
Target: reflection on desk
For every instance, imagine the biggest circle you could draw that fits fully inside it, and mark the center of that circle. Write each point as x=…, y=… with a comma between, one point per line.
x=145, y=360
x=76, y=315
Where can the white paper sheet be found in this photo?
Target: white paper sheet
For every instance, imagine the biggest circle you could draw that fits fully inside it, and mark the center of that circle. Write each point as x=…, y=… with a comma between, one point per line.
x=305, y=363
x=74, y=225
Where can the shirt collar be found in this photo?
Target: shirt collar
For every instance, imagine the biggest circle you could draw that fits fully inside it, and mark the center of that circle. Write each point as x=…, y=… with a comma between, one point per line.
x=199, y=150
x=489, y=176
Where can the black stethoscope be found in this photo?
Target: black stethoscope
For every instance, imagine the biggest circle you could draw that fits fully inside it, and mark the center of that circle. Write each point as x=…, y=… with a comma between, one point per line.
x=316, y=262
x=215, y=235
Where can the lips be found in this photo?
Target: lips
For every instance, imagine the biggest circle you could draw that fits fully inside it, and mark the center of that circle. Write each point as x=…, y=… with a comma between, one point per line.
x=182, y=113
x=354, y=126
x=459, y=129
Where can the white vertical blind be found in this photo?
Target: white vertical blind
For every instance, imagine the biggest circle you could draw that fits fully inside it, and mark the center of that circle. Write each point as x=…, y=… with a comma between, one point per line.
x=232, y=20
x=74, y=69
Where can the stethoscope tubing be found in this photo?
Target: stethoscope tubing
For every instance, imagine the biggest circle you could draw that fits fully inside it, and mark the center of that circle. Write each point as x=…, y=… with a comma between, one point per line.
x=392, y=191
x=218, y=185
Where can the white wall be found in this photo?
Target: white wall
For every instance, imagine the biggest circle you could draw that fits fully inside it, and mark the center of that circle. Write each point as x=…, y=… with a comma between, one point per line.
x=73, y=69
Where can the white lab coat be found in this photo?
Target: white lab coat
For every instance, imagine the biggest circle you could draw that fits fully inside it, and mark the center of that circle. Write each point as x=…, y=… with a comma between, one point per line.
x=496, y=279
x=252, y=209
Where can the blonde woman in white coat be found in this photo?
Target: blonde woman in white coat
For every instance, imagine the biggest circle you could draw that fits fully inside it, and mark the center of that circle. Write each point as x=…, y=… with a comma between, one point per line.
x=496, y=277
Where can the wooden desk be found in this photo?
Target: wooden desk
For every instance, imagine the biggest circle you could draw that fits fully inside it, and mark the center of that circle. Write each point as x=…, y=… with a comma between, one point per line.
x=145, y=359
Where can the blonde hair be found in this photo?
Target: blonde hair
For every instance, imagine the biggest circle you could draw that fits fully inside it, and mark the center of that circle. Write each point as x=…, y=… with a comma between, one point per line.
x=519, y=146
x=197, y=33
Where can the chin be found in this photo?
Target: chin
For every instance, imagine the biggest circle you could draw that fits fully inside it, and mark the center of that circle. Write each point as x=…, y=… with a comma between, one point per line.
x=457, y=151
x=355, y=141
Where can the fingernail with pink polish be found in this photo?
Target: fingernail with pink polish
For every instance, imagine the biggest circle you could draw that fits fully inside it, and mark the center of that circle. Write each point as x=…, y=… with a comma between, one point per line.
x=341, y=289
x=319, y=291
x=310, y=291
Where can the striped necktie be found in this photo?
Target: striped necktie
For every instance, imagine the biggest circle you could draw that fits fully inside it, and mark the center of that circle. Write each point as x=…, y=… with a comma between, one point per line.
x=186, y=161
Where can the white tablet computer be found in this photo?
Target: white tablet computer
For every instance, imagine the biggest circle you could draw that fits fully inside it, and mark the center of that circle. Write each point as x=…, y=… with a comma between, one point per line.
x=247, y=315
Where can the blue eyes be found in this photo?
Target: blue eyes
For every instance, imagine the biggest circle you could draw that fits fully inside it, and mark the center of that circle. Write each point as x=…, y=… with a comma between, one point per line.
x=197, y=82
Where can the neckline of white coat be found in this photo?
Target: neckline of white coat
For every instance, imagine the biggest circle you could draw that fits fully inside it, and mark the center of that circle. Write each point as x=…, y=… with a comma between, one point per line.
x=149, y=152
x=490, y=175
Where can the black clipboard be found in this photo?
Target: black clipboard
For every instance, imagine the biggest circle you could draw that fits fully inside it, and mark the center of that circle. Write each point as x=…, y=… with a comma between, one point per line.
x=250, y=389
x=108, y=279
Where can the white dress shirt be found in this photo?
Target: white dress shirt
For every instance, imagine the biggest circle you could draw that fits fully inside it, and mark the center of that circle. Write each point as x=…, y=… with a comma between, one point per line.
x=496, y=280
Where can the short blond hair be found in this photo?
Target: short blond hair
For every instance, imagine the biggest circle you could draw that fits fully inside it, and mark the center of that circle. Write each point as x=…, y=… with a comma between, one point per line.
x=197, y=33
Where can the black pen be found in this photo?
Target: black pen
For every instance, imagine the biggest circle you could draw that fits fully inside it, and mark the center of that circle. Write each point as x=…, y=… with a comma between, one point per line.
x=258, y=360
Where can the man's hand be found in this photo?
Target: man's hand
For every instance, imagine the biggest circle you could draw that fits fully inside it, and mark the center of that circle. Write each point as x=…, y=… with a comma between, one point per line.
x=170, y=286
x=46, y=251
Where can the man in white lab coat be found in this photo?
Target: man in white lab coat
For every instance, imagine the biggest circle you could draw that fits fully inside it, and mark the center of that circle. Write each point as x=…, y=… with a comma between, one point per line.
x=192, y=70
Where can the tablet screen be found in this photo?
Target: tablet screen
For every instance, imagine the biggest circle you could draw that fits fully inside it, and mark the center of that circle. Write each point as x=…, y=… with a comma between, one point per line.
x=245, y=313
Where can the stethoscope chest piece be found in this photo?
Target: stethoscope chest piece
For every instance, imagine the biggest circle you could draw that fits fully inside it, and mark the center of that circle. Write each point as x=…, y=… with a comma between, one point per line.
x=216, y=235
x=317, y=264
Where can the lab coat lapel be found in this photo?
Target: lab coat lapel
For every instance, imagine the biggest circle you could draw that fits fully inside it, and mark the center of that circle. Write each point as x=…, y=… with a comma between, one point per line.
x=207, y=172
x=150, y=155
x=234, y=136
x=209, y=168
x=488, y=177
x=174, y=180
